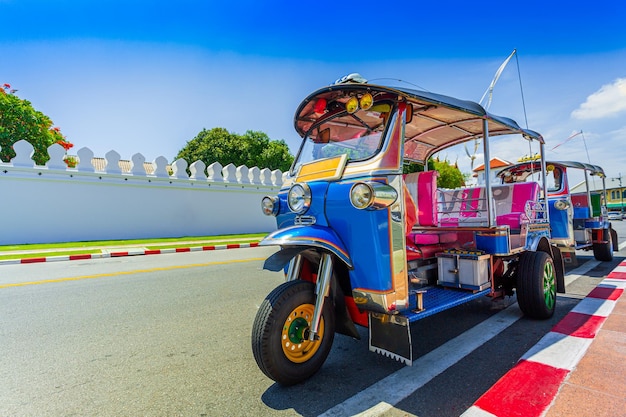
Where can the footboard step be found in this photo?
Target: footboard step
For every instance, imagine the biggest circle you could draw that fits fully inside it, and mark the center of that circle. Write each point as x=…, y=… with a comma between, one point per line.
x=438, y=299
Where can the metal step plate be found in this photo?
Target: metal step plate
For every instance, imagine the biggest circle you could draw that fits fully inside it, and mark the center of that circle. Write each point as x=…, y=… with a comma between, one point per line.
x=438, y=299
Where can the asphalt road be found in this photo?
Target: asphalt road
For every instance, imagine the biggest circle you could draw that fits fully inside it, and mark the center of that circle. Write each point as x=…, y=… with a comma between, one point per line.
x=169, y=335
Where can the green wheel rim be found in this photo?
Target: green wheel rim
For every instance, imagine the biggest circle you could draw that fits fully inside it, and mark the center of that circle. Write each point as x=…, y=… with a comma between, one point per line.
x=549, y=285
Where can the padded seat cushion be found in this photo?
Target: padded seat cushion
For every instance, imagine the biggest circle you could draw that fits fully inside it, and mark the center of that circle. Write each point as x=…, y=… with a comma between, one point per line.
x=431, y=238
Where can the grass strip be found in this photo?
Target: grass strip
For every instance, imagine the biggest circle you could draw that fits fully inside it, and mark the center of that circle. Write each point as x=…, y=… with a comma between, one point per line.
x=48, y=254
x=246, y=238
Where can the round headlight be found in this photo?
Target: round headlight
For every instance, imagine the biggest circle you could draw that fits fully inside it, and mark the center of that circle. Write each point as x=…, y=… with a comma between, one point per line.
x=361, y=195
x=269, y=205
x=299, y=198
x=561, y=204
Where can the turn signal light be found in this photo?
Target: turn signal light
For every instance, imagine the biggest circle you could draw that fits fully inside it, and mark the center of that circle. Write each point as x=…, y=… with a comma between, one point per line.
x=366, y=101
x=352, y=105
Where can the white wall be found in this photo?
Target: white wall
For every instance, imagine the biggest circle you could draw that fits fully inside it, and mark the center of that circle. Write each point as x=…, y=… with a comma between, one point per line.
x=52, y=203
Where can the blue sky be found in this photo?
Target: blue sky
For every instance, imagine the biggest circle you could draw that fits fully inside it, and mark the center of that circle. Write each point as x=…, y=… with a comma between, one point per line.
x=147, y=76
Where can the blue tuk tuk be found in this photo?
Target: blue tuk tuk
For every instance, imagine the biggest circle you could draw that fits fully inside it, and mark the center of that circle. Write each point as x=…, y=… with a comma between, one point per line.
x=363, y=244
x=578, y=221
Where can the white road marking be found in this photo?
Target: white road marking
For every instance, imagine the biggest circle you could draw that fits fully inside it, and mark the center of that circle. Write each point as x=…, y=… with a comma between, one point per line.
x=581, y=270
x=386, y=393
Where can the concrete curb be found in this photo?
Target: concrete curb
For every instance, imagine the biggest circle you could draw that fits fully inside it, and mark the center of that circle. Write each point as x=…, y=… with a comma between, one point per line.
x=531, y=386
x=125, y=253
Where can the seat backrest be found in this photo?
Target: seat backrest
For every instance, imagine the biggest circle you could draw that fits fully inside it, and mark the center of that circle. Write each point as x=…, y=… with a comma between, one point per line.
x=503, y=199
x=473, y=202
x=523, y=192
x=423, y=188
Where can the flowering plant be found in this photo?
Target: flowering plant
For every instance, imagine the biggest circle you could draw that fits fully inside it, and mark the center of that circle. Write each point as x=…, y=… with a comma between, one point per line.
x=20, y=121
x=63, y=142
x=70, y=161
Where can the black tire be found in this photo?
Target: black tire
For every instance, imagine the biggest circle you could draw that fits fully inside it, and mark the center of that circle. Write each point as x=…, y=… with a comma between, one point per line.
x=280, y=333
x=604, y=251
x=614, y=239
x=536, y=285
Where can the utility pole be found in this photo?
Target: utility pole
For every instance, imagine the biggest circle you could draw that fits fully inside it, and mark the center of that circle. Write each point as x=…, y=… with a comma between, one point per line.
x=621, y=192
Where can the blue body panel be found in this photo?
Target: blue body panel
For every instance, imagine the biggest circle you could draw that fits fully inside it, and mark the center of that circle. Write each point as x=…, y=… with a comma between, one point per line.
x=581, y=213
x=366, y=234
x=493, y=244
x=359, y=237
x=594, y=224
x=286, y=217
x=558, y=222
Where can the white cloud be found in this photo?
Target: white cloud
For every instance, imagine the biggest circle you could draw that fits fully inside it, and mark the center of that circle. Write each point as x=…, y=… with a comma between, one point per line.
x=608, y=101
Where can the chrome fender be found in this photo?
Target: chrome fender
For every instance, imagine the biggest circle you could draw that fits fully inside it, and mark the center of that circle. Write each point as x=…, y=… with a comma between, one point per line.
x=296, y=239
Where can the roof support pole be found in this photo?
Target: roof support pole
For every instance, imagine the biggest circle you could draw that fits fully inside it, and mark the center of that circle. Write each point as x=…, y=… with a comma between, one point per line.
x=604, y=195
x=588, y=190
x=544, y=179
x=489, y=191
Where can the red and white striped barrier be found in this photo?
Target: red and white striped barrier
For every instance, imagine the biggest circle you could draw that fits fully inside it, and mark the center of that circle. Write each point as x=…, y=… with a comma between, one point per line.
x=126, y=253
x=531, y=386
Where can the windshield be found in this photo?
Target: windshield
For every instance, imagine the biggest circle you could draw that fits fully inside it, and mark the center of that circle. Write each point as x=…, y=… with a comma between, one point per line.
x=554, y=178
x=358, y=135
x=531, y=172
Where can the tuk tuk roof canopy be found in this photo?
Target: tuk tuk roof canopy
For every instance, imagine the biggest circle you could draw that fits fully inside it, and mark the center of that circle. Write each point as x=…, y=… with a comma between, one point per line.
x=535, y=166
x=437, y=122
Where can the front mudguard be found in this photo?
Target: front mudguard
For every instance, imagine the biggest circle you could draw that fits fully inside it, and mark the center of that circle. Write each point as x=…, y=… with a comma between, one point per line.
x=296, y=239
x=542, y=244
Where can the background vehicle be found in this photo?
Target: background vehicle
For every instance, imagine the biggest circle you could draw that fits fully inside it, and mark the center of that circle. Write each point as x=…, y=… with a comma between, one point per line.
x=361, y=244
x=614, y=215
x=578, y=221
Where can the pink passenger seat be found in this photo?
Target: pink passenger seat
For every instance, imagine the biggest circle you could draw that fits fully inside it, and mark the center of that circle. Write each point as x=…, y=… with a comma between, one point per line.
x=515, y=215
x=422, y=187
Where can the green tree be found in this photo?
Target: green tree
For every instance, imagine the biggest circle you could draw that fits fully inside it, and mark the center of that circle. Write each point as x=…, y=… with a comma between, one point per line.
x=449, y=175
x=20, y=121
x=253, y=148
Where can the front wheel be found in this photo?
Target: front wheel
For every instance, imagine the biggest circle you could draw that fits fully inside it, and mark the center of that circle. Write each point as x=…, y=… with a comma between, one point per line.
x=280, y=333
x=536, y=285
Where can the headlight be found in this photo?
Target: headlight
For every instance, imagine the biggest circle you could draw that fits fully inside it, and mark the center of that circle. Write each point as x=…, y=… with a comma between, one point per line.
x=299, y=198
x=361, y=195
x=561, y=204
x=372, y=195
x=269, y=206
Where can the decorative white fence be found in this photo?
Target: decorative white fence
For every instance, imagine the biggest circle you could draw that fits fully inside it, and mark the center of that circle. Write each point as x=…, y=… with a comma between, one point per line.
x=53, y=203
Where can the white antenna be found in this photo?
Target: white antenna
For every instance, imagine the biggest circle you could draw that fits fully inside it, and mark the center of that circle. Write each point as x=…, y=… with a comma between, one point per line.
x=495, y=80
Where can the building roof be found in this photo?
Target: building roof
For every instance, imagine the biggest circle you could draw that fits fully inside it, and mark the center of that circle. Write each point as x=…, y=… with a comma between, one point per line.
x=493, y=163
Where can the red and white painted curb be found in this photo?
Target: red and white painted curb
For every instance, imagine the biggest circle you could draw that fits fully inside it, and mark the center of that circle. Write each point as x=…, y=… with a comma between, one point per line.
x=531, y=386
x=126, y=253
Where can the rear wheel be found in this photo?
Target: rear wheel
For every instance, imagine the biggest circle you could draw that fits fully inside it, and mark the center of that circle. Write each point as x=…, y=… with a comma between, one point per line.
x=280, y=333
x=536, y=285
x=604, y=251
x=614, y=240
